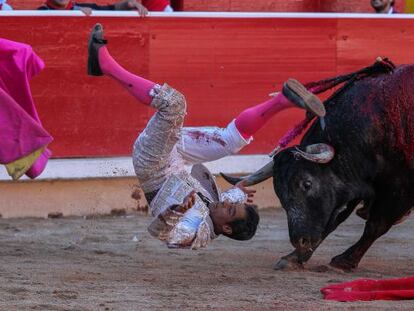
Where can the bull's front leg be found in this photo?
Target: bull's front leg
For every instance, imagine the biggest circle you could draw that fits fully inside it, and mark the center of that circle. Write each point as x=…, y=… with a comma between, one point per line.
x=293, y=261
x=374, y=228
x=380, y=220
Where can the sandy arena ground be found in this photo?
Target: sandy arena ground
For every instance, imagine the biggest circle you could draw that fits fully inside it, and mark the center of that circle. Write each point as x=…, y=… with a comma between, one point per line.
x=97, y=264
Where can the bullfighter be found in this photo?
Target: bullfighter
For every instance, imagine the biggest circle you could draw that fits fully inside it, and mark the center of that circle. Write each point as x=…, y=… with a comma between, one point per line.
x=187, y=207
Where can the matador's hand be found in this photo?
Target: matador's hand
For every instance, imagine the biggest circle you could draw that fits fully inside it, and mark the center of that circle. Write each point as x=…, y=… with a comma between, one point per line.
x=250, y=192
x=188, y=202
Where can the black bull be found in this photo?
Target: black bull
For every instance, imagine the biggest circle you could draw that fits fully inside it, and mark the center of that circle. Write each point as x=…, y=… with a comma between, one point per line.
x=370, y=127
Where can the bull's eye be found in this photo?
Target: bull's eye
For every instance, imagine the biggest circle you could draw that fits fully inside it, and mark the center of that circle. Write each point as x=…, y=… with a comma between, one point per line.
x=307, y=184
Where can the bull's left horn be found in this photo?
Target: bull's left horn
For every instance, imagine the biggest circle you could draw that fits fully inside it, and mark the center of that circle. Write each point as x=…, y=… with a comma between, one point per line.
x=260, y=175
x=319, y=153
x=230, y=179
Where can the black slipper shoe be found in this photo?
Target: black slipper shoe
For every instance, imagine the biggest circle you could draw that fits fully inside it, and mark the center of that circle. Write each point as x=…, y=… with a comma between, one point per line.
x=96, y=41
x=301, y=97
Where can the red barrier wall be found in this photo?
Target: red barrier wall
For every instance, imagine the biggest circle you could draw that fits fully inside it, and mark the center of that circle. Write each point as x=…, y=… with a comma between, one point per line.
x=33, y=4
x=247, y=5
x=222, y=65
x=355, y=6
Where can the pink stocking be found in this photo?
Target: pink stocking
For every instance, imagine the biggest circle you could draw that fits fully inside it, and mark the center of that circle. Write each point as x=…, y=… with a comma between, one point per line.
x=137, y=86
x=252, y=119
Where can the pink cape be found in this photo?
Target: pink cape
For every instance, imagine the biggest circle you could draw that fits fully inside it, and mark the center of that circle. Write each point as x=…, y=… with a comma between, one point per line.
x=21, y=131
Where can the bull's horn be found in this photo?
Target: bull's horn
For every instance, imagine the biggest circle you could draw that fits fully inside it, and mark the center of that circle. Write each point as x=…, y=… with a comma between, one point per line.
x=260, y=175
x=319, y=153
x=230, y=179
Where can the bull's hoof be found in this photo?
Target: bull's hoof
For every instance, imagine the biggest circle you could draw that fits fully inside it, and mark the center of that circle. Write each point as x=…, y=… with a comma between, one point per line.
x=287, y=265
x=343, y=264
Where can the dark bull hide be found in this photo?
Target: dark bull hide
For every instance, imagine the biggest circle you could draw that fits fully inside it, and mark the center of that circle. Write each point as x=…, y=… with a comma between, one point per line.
x=367, y=157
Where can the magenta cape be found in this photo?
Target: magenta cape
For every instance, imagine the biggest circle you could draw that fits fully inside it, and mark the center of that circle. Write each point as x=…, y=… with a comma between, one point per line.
x=21, y=131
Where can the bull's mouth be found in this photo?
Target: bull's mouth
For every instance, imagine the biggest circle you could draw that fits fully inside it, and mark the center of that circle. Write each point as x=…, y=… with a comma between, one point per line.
x=337, y=216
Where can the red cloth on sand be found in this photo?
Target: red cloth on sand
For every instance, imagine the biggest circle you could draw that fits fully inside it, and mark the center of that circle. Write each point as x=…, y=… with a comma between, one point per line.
x=369, y=289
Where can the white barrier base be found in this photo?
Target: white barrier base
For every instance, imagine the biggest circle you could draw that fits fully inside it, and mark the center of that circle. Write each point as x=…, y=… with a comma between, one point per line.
x=122, y=167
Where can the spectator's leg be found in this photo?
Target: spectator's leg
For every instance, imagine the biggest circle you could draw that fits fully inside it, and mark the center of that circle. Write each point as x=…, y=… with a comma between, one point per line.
x=168, y=8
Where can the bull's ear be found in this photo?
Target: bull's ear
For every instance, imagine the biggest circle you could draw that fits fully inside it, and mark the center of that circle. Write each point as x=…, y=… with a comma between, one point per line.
x=318, y=153
x=296, y=152
x=283, y=157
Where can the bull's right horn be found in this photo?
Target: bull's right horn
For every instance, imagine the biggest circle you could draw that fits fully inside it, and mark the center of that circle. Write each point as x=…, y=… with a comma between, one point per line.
x=319, y=153
x=260, y=175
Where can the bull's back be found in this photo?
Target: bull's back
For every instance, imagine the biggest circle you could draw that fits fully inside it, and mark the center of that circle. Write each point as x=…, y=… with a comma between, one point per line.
x=377, y=111
x=398, y=110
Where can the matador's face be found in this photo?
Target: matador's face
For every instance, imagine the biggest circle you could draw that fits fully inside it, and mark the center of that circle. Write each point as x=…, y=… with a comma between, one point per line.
x=224, y=213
